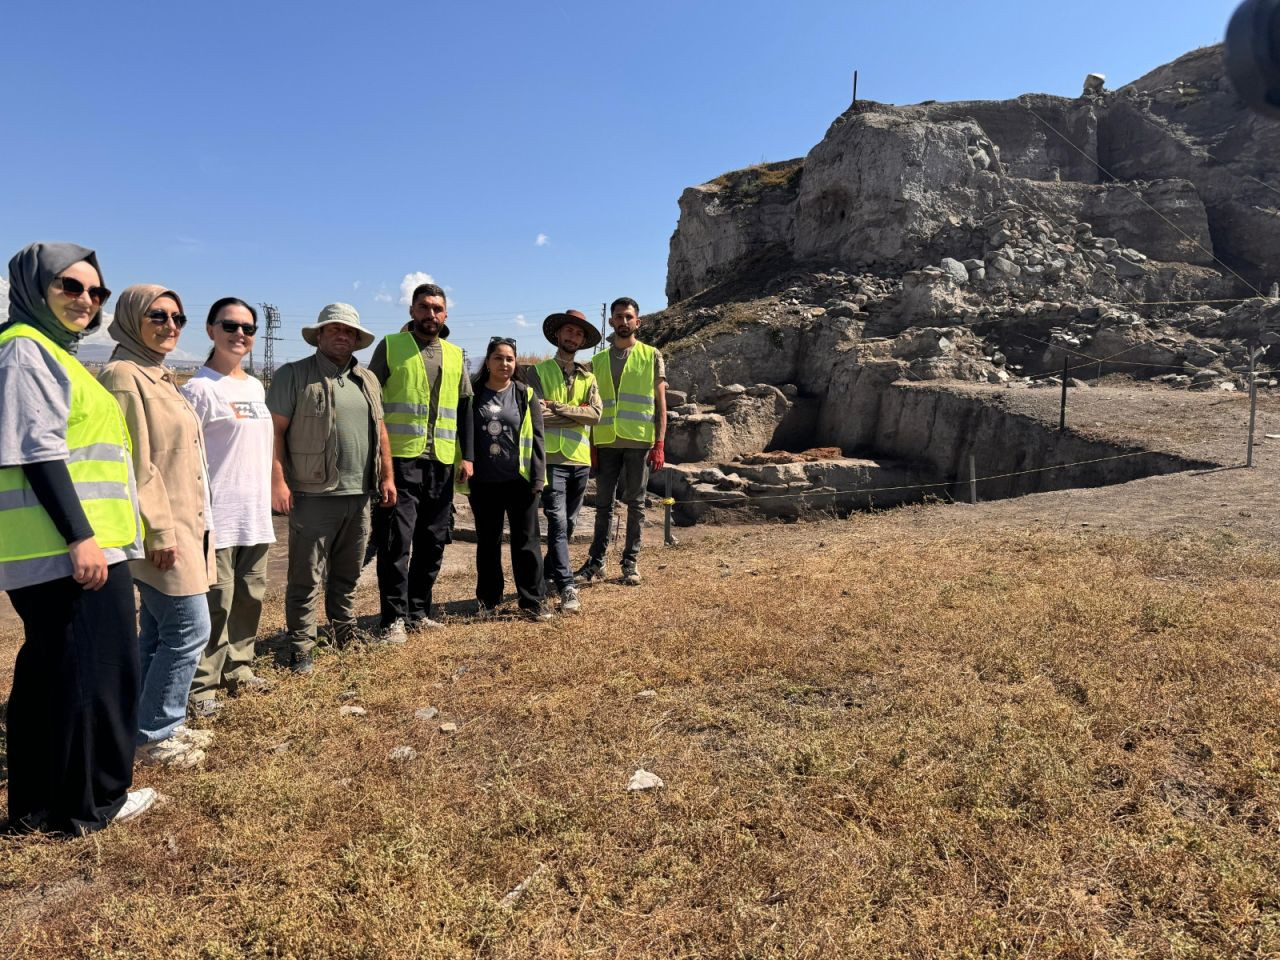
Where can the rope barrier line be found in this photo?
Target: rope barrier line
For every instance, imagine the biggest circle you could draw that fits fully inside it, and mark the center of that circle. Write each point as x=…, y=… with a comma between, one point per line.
x=912, y=486
x=1141, y=199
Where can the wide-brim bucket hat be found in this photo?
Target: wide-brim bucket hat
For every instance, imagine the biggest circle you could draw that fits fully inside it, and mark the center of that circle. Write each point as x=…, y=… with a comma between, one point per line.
x=551, y=326
x=343, y=313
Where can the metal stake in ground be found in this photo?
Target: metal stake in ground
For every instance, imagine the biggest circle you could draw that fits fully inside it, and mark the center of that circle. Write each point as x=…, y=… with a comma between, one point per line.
x=1062, y=414
x=667, y=503
x=973, y=481
x=1254, y=354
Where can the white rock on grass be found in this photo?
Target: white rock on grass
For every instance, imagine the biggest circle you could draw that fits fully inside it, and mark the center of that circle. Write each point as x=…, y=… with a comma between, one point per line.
x=402, y=754
x=448, y=728
x=350, y=711
x=642, y=779
x=426, y=713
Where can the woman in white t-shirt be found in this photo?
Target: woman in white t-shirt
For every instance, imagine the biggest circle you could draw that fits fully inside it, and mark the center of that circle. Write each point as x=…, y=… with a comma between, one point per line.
x=238, y=438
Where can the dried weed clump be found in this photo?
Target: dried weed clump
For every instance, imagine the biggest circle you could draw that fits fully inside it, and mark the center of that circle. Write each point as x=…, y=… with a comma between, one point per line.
x=1039, y=745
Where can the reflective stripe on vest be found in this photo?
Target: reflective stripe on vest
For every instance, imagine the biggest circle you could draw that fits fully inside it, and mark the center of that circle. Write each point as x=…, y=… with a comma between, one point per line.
x=526, y=444
x=573, y=443
x=406, y=399
x=630, y=414
x=98, y=461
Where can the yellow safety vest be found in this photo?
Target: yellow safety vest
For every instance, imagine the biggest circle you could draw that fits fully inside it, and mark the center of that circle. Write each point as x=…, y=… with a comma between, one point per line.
x=406, y=399
x=526, y=443
x=572, y=442
x=98, y=449
x=630, y=414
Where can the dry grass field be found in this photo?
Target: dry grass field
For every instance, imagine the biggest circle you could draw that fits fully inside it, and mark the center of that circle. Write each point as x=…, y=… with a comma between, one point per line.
x=1018, y=745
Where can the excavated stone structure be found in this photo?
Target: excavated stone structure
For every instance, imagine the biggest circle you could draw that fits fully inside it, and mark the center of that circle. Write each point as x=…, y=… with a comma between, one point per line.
x=1126, y=231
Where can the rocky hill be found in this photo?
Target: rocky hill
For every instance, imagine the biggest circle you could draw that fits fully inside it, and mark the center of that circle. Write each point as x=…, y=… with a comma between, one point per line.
x=1128, y=232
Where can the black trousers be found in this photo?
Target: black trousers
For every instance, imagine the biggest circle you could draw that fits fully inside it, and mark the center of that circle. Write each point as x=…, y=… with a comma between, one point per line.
x=411, y=537
x=515, y=502
x=73, y=710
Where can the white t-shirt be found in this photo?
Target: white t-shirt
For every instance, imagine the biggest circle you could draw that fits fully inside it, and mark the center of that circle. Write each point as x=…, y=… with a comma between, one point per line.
x=238, y=437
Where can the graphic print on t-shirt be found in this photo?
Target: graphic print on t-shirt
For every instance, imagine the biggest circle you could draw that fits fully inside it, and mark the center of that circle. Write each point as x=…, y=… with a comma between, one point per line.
x=250, y=410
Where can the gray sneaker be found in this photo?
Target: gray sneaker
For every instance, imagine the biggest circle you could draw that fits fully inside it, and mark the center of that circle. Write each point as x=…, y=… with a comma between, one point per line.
x=423, y=623
x=536, y=614
x=204, y=708
x=393, y=633
x=569, y=602
x=590, y=572
x=197, y=738
x=170, y=752
x=631, y=576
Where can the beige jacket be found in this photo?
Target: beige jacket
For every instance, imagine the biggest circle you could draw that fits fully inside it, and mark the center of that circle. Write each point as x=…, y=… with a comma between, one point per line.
x=169, y=461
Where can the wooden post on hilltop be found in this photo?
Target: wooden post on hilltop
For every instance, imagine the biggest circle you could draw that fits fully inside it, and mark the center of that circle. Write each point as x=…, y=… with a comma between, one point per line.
x=855, y=88
x=1062, y=413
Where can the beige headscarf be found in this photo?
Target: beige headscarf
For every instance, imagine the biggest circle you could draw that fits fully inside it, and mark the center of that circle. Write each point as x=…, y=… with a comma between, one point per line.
x=131, y=314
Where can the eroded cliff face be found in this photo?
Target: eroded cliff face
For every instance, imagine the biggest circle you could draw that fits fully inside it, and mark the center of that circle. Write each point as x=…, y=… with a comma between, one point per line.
x=1172, y=166
x=1125, y=232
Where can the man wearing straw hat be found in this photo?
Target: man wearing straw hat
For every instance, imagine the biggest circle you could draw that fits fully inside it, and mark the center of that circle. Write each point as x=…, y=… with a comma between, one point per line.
x=570, y=406
x=332, y=454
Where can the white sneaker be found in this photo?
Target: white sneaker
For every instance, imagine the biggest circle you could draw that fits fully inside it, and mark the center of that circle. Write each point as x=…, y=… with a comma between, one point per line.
x=569, y=602
x=197, y=738
x=392, y=633
x=170, y=752
x=136, y=803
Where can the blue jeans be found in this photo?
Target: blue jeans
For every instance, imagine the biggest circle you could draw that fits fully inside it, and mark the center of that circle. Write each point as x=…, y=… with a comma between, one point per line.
x=173, y=631
x=561, y=501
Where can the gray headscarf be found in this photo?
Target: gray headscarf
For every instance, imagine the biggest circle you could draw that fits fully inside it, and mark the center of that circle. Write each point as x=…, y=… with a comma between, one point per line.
x=31, y=271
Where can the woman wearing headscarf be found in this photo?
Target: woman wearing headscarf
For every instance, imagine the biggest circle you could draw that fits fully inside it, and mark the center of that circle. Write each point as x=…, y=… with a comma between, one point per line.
x=68, y=524
x=173, y=496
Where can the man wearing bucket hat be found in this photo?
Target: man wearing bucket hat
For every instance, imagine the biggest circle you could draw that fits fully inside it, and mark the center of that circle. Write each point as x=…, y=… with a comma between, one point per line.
x=570, y=406
x=427, y=399
x=331, y=455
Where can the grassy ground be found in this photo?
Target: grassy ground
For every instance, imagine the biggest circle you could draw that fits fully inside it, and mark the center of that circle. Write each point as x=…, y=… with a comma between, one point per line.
x=1038, y=745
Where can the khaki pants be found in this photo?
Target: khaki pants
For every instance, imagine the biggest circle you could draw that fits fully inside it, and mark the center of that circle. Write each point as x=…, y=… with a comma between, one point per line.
x=235, y=605
x=327, y=538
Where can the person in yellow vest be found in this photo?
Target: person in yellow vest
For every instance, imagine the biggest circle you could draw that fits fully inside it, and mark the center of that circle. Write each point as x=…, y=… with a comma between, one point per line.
x=628, y=440
x=510, y=472
x=331, y=456
x=69, y=524
x=570, y=404
x=427, y=398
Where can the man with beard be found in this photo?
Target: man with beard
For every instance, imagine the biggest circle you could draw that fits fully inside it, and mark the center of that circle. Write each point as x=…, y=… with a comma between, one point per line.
x=426, y=395
x=331, y=454
x=570, y=407
x=632, y=379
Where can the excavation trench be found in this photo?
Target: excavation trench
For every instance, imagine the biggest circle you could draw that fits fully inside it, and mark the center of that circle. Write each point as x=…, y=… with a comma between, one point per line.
x=916, y=444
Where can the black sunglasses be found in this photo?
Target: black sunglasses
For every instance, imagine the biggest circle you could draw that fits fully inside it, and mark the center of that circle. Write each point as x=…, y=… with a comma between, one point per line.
x=509, y=341
x=160, y=318
x=249, y=329
x=73, y=288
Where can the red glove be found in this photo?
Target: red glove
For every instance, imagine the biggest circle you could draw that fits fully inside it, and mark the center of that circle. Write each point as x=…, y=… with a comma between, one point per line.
x=656, y=456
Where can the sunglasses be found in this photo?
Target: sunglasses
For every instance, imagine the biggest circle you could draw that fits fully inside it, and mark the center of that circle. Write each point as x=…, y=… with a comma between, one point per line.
x=248, y=329
x=74, y=288
x=160, y=318
x=510, y=342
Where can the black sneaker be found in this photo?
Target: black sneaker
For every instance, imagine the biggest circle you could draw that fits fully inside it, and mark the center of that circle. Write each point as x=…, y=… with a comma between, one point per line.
x=590, y=572
x=301, y=663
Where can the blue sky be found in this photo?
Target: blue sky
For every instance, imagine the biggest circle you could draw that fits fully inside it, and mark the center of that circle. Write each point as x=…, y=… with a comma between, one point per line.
x=302, y=154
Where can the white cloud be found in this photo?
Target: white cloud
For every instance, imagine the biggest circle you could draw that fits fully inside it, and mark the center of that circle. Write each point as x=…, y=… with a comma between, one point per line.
x=382, y=296
x=357, y=284
x=521, y=321
x=541, y=240
x=410, y=281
